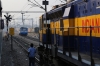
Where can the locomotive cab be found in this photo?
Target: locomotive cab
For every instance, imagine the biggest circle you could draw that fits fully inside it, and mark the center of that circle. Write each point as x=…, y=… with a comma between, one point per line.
x=44, y=30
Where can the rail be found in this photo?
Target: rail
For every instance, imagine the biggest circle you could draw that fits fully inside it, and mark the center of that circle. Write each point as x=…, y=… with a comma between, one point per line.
x=20, y=44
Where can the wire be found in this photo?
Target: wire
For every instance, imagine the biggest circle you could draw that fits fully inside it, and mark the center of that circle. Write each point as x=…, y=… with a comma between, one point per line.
x=24, y=6
x=37, y=5
x=34, y=3
x=29, y=8
x=37, y=2
x=61, y=1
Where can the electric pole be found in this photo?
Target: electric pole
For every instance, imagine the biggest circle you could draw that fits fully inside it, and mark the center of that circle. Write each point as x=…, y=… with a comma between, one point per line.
x=47, y=28
x=22, y=19
x=7, y=24
x=32, y=23
x=46, y=3
x=0, y=34
x=14, y=23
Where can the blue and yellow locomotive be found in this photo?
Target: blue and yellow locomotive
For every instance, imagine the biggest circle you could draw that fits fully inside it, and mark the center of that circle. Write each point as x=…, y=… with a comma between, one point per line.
x=72, y=32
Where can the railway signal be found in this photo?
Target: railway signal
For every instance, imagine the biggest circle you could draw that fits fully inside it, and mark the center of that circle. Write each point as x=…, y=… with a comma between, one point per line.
x=8, y=18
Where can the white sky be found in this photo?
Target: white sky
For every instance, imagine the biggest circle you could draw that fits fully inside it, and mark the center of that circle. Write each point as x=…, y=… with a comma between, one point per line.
x=18, y=5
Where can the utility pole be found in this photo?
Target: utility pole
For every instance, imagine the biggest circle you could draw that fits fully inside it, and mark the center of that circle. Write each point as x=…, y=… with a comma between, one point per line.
x=0, y=33
x=47, y=28
x=32, y=23
x=46, y=3
x=36, y=21
x=22, y=18
x=7, y=24
x=14, y=23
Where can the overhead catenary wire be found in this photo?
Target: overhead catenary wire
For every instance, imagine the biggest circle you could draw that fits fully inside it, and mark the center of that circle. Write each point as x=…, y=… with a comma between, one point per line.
x=33, y=3
x=28, y=8
x=26, y=4
x=37, y=5
x=32, y=6
x=61, y=1
x=38, y=1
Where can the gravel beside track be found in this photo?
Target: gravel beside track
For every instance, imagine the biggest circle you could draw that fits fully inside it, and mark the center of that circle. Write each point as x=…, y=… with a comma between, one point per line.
x=17, y=57
x=6, y=58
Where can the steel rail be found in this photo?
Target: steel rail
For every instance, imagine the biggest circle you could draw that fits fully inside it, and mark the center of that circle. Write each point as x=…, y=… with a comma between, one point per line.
x=24, y=48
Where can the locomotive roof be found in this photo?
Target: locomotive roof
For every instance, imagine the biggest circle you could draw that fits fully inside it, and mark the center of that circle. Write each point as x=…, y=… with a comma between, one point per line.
x=60, y=10
x=54, y=11
x=57, y=9
x=62, y=7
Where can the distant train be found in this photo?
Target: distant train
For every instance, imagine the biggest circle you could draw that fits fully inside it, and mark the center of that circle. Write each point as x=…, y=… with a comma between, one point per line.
x=23, y=31
x=36, y=29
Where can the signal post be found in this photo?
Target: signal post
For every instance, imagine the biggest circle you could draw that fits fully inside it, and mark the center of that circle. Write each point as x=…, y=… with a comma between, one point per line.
x=11, y=32
x=8, y=18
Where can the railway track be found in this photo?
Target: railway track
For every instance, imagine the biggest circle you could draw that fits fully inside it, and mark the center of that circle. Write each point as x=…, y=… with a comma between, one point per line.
x=31, y=38
x=25, y=45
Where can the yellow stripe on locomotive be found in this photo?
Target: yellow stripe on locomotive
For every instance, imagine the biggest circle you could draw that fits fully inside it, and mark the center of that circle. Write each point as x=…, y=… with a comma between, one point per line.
x=57, y=27
x=52, y=27
x=84, y=22
x=67, y=23
x=40, y=33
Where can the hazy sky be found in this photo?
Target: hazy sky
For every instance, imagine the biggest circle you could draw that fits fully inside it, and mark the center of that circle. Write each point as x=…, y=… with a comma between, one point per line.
x=22, y=5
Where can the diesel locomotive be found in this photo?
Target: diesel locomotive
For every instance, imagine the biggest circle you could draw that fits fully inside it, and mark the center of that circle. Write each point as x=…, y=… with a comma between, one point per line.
x=71, y=33
x=23, y=31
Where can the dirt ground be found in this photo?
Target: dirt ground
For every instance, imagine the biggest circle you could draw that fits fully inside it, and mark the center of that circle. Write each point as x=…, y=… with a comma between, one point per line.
x=15, y=57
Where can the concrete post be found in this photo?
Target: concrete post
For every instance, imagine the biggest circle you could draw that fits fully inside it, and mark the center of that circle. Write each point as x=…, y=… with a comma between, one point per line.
x=0, y=32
